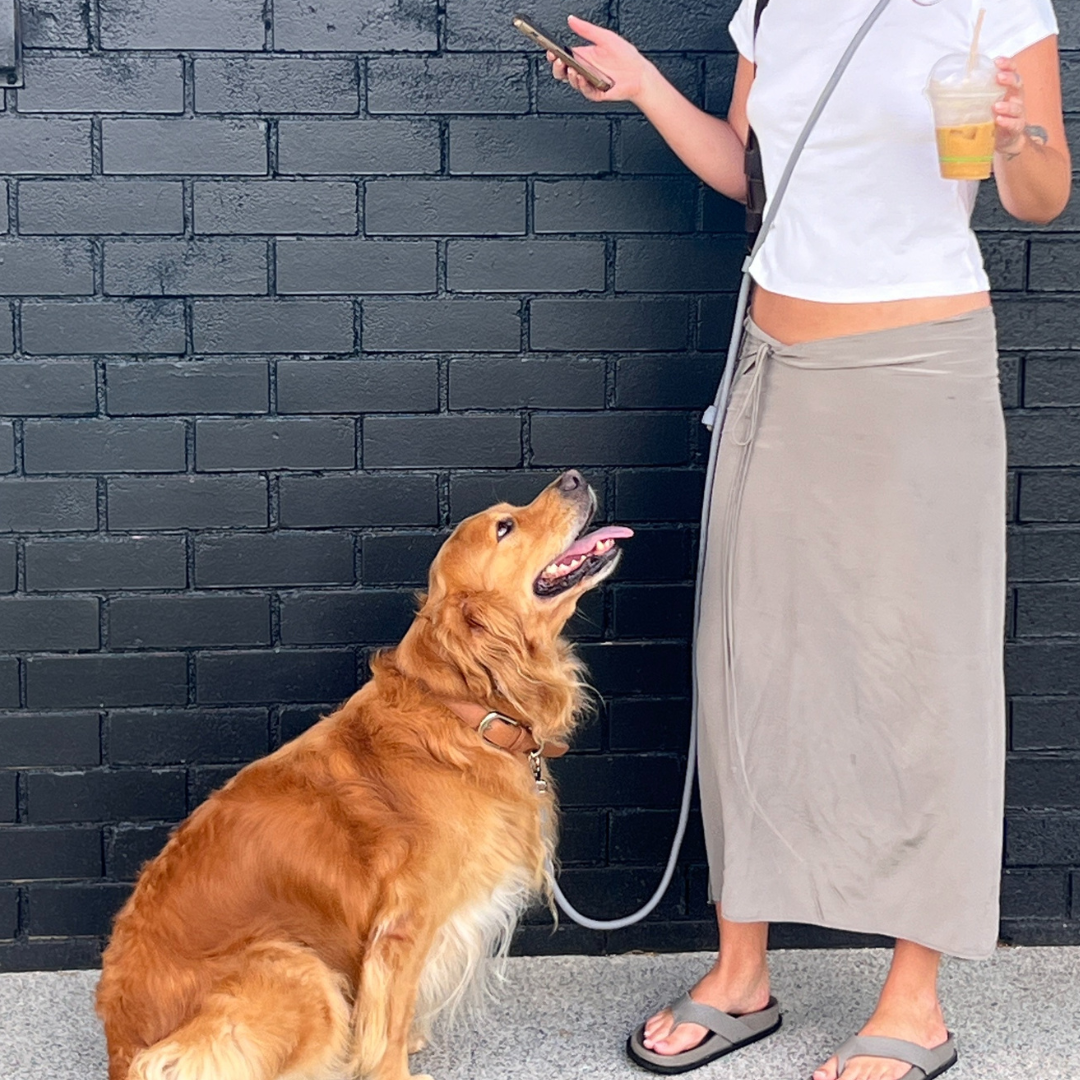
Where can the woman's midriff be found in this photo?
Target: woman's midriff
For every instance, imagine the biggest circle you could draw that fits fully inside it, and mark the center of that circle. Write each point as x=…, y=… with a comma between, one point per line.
x=793, y=321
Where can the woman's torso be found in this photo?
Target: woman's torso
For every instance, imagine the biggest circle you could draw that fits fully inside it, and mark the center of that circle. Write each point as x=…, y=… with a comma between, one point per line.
x=870, y=236
x=791, y=320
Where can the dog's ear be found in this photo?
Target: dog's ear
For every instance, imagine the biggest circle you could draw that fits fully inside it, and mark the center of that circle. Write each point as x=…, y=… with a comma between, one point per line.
x=484, y=638
x=486, y=643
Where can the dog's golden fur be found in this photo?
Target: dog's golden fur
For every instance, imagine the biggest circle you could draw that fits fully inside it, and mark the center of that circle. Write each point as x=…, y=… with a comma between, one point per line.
x=310, y=917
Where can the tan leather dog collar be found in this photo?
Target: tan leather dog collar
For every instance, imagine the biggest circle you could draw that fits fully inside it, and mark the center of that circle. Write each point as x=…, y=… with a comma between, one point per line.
x=498, y=729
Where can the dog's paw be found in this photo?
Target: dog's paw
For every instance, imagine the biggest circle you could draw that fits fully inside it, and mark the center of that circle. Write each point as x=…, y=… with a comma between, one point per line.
x=418, y=1042
x=162, y=1065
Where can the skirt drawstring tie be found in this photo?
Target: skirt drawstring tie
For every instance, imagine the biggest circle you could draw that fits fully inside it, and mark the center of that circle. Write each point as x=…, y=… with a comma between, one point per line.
x=742, y=424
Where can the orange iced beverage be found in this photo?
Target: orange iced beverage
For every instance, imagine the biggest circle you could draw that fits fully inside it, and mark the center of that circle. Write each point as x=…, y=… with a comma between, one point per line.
x=966, y=150
x=962, y=92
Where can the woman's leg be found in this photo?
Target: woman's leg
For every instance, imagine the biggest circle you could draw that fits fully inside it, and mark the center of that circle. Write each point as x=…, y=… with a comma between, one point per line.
x=907, y=1009
x=737, y=983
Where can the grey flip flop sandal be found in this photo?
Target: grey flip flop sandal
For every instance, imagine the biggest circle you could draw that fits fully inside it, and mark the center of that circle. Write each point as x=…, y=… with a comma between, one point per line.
x=728, y=1033
x=926, y=1064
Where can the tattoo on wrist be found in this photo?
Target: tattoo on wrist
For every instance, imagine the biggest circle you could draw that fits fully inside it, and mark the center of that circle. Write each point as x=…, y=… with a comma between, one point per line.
x=1035, y=134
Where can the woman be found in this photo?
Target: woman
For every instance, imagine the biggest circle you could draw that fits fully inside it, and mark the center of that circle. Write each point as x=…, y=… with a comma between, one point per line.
x=849, y=654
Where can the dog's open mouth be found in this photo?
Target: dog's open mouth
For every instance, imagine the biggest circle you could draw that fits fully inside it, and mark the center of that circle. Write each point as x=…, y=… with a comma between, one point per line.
x=586, y=556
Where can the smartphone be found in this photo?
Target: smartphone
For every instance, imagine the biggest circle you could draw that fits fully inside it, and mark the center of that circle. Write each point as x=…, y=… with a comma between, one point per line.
x=593, y=76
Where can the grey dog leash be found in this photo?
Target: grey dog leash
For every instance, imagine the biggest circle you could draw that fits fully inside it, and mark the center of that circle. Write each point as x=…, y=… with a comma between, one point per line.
x=714, y=420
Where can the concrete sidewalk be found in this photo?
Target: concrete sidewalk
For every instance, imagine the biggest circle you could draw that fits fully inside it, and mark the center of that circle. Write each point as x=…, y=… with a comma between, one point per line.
x=567, y=1017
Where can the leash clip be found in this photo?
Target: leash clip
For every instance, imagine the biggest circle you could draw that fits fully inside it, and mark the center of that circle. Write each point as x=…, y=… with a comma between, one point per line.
x=538, y=776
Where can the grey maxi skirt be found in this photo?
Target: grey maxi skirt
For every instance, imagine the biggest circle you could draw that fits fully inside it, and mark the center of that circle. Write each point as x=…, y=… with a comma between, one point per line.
x=849, y=655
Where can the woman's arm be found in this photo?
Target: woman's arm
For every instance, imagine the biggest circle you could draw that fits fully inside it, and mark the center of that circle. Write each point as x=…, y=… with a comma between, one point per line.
x=1032, y=163
x=708, y=146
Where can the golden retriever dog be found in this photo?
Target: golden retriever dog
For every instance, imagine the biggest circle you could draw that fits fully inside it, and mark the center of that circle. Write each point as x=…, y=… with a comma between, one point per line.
x=311, y=917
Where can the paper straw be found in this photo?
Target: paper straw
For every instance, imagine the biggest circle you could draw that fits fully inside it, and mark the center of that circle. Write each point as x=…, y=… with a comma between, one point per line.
x=973, y=56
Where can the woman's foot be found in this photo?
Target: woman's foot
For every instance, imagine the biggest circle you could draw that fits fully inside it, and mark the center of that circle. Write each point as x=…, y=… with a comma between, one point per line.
x=919, y=1022
x=737, y=993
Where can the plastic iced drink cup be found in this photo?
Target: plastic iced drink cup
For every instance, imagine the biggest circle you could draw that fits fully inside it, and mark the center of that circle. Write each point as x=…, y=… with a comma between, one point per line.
x=962, y=97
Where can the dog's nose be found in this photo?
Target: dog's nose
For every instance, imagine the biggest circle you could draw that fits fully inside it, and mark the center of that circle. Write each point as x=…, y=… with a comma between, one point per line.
x=571, y=480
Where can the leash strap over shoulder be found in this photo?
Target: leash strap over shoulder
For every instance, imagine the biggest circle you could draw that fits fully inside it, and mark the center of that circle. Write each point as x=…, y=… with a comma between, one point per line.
x=713, y=416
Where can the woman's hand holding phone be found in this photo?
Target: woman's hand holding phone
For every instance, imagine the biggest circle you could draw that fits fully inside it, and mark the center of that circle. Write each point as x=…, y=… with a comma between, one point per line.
x=707, y=145
x=613, y=55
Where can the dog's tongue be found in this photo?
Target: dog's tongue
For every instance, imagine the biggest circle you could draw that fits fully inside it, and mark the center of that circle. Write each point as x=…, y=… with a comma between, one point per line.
x=586, y=544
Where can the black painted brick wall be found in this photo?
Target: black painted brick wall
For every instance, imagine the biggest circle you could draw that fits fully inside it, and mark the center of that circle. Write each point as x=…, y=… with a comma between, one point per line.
x=288, y=289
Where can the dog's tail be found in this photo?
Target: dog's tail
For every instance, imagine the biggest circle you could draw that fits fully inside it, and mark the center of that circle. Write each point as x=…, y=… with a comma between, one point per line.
x=282, y=1012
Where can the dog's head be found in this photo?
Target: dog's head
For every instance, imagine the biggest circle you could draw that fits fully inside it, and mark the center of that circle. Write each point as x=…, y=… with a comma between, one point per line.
x=534, y=561
x=502, y=588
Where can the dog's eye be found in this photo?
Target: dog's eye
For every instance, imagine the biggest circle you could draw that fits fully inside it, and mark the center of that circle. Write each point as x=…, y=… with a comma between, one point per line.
x=504, y=528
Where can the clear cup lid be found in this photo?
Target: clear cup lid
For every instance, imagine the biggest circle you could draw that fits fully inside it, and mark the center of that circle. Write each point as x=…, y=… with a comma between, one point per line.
x=950, y=75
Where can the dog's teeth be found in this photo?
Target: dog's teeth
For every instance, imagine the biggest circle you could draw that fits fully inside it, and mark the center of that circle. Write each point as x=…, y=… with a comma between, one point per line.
x=552, y=570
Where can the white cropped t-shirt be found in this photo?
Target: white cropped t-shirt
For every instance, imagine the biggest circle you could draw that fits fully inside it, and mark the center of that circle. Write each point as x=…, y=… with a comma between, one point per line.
x=867, y=216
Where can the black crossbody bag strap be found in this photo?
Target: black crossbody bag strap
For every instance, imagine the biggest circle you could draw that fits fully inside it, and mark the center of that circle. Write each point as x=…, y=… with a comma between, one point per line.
x=755, y=173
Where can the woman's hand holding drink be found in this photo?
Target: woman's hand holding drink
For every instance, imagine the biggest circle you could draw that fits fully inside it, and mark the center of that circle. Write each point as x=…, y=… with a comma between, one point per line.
x=1011, y=110
x=978, y=112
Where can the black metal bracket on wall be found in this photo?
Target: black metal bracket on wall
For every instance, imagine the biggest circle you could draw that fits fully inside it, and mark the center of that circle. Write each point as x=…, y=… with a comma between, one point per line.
x=11, y=67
